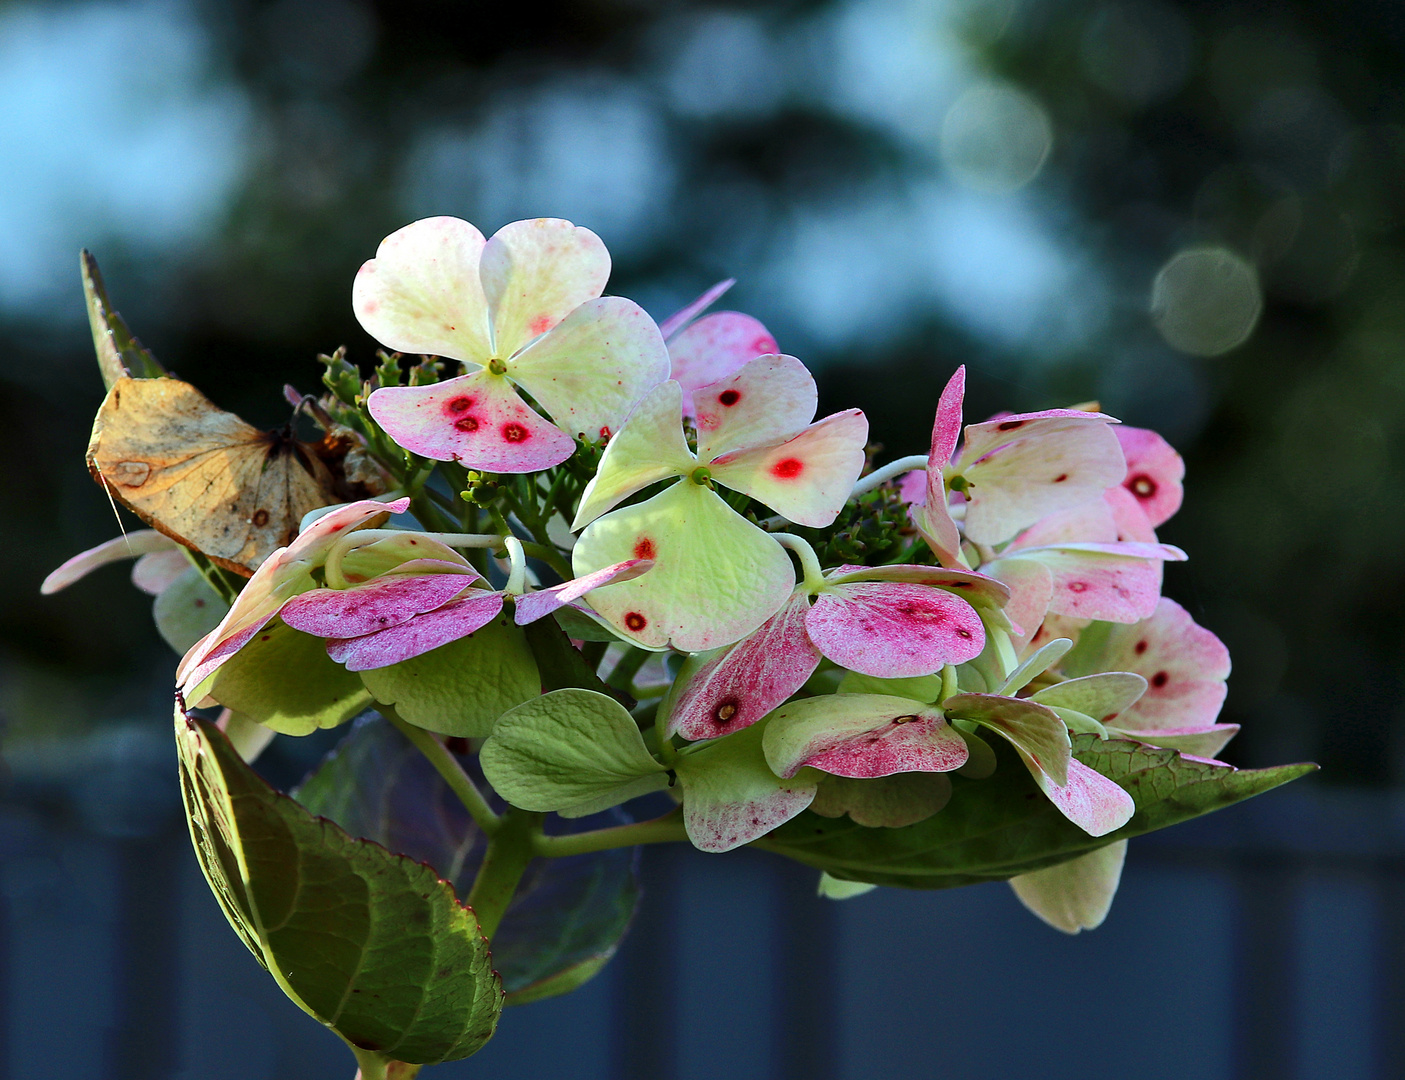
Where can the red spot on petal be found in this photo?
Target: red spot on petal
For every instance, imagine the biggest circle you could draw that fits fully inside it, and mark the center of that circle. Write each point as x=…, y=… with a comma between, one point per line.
x=1061, y=478
x=1077, y=586
x=787, y=468
x=540, y=325
x=729, y=397
x=725, y=711
x=1160, y=679
x=764, y=345
x=514, y=433
x=605, y=432
x=1142, y=486
x=644, y=549
x=370, y=307
x=466, y=423
x=635, y=621
x=1141, y=647
x=1009, y=425
x=462, y=403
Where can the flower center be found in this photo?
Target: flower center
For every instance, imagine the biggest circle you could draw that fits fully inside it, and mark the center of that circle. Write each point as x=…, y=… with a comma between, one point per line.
x=497, y=367
x=701, y=476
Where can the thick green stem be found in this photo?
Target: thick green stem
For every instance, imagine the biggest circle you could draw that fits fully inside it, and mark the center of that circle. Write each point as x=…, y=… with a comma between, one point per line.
x=460, y=783
x=510, y=849
x=622, y=677
x=657, y=831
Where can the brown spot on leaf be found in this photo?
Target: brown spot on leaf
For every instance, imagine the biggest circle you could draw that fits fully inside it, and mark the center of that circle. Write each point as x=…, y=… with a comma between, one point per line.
x=260, y=518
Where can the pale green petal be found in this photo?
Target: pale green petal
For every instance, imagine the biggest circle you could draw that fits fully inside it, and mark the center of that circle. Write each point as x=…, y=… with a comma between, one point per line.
x=536, y=272
x=1100, y=696
x=650, y=447
x=1034, y=665
x=833, y=888
x=716, y=577
x=1034, y=730
x=1077, y=894
x=923, y=688
x=568, y=749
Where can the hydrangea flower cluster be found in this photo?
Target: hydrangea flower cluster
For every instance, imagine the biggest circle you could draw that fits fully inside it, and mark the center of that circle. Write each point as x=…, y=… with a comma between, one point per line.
x=596, y=498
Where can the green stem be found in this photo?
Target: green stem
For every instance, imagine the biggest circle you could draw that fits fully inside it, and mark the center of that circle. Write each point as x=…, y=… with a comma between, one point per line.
x=622, y=677
x=373, y=1066
x=548, y=554
x=449, y=768
x=656, y=831
x=887, y=472
x=510, y=849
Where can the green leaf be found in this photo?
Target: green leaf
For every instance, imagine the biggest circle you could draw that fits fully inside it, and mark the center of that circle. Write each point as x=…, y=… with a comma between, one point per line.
x=572, y=750
x=923, y=688
x=187, y=610
x=1003, y=826
x=568, y=914
x=284, y=679
x=463, y=687
x=371, y=944
x=560, y=663
x=119, y=352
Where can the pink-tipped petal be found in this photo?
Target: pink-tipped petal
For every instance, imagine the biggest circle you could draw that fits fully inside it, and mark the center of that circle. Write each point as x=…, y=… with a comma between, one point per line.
x=421, y=634
x=978, y=589
x=594, y=366
x=1024, y=467
x=748, y=680
x=911, y=742
x=769, y=400
x=536, y=605
x=211, y=651
x=946, y=429
x=477, y=420
x=650, y=447
x=1154, y=472
x=715, y=348
x=537, y=272
x=1088, y=522
x=1090, y=800
x=684, y=315
x=421, y=293
x=912, y=488
x=1031, y=588
x=1104, y=585
x=861, y=736
x=378, y=605
x=130, y=546
x=893, y=630
x=806, y=479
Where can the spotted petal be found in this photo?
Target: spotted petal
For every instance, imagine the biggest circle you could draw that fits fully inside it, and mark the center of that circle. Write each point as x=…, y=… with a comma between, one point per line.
x=1184, y=664
x=649, y=448
x=716, y=577
x=421, y=293
x=477, y=420
x=418, y=635
x=718, y=694
x=731, y=797
x=1021, y=468
x=1112, y=582
x=1031, y=587
x=980, y=590
x=715, y=348
x=536, y=605
x=1090, y=800
x=1154, y=472
x=592, y=369
x=806, y=479
x=862, y=736
x=378, y=605
x=768, y=401
x=893, y=630
x=537, y=272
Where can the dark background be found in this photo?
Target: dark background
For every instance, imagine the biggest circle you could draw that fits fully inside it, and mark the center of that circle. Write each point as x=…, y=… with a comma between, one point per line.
x=899, y=187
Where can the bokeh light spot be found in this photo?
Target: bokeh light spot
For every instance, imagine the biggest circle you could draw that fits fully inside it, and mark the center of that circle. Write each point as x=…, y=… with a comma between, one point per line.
x=1205, y=301
x=995, y=138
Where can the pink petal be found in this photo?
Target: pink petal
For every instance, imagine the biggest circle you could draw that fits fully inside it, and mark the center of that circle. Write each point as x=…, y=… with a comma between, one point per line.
x=1031, y=588
x=806, y=479
x=748, y=680
x=378, y=605
x=912, y=488
x=211, y=651
x=1090, y=800
x=769, y=400
x=683, y=316
x=594, y=367
x=537, y=272
x=477, y=420
x=715, y=348
x=946, y=429
x=1184, y=664
x=1090, y=521
x=421, y=293
x=1113, y=582
x=1154, y=472
x=536, y=605
x=157, y=571
x=721, y=826
x=893, y=630
x=1024, y=467
x=912, y=742
x=132, y=545
x=421, y=634
x=978, y=589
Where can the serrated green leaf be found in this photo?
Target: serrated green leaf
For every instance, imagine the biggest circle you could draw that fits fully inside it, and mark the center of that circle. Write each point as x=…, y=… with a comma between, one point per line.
x=285, y=680
x=568, y=914
x=1003, y=826
x=573, y=751
x=371, y=944
x=119, y=352
x=187, y=610
x=463, y=687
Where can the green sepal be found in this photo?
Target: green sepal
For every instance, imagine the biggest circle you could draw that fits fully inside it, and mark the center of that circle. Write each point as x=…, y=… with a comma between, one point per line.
x=285, y=680
x=373, y=945
x=119, y=352
x=463, y=687
x=1003, y=826
x=572, y=751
